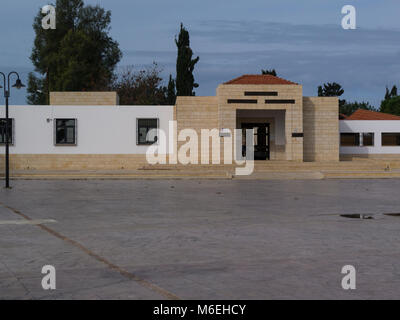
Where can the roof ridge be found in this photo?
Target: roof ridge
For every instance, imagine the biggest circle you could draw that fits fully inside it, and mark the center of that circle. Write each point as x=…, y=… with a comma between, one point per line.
x=363, y=114
x=272, y=79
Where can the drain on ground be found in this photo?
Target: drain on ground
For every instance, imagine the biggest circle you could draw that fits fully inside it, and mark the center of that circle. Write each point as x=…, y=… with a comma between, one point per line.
x=392, y=214
x=357, y=216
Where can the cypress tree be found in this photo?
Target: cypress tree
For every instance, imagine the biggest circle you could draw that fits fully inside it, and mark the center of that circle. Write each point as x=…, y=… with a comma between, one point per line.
x=185, y=65
x=171, y=93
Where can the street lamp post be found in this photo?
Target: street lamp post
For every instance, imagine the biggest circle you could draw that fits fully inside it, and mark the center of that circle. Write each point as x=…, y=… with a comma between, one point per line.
x=18, y=84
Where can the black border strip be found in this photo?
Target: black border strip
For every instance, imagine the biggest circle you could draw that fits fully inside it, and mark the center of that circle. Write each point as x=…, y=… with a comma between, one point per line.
x=281, y=101
x=249, y=101
x=261, y=93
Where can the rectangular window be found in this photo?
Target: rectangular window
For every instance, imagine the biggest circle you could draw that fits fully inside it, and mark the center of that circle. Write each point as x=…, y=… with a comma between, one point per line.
x=65, y=131
x=144, y=136
x=391, y=139
x=368, y=139
x=350, y=139
x=3, y=130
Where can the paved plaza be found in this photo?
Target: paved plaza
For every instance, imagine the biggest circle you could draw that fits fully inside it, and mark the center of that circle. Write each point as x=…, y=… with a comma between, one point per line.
x=192, y=239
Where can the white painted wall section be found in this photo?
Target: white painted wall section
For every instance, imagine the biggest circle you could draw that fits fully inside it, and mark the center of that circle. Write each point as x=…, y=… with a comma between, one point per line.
x=101, y=129
x=370, y=126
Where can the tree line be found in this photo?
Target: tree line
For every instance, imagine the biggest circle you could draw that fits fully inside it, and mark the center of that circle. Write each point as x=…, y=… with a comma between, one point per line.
x=80, y=55
x=390, y=103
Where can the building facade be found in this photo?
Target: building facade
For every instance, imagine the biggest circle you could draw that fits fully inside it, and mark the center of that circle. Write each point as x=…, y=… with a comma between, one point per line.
x=287, y=125
x=91, y=131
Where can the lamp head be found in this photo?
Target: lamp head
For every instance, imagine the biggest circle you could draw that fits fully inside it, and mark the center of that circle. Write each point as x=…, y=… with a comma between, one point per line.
x=18, y=84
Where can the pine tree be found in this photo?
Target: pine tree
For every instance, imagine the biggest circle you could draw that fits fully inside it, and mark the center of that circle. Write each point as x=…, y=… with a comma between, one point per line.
x=387, y=94
x=393, y=92
x=271, y=72
x=79, y=55
x=332, y=90
x=320, y=91
x=185, y=65
x=391, y=103
x=37, y=96
x=391, y=106
x=349, y=107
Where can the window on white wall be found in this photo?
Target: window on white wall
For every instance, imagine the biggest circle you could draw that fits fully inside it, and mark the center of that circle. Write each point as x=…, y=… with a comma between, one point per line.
x=390, y=139
x=368, y=139
x=143, y=134
x=350, y=139
x=65, y=132
x=3, y=131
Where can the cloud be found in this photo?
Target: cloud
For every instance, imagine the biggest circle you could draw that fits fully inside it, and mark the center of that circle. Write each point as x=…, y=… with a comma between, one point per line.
x=257, y=34
x=364, y=61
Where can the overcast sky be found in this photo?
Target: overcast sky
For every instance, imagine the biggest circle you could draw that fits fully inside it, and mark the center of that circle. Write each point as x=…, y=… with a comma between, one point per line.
x=302, y=39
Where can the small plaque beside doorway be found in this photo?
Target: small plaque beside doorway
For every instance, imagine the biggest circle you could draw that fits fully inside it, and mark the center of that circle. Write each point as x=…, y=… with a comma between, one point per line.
x=297, y=135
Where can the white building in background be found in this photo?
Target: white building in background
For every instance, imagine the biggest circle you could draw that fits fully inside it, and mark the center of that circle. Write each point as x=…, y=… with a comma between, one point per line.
x=370, y=134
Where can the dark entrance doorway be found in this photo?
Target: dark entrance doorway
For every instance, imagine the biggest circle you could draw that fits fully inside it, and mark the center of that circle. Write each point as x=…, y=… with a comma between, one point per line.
x=261, y=140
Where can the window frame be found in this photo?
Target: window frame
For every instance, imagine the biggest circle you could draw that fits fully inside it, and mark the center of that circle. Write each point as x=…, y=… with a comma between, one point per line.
x=392, y=145
x=352, y=146
x=138, y=143
x=75, y=143
x=11, y=143
x=362, y=139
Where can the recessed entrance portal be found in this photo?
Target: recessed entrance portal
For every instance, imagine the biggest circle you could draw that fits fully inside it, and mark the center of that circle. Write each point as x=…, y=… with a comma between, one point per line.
x=269, y=133
x=261, y=140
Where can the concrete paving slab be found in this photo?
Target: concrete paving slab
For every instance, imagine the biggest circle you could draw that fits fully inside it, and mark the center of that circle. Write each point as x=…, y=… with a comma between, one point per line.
x=222, y=239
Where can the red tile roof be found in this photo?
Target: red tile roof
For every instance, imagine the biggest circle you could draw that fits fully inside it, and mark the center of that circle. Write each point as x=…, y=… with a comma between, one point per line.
x=362, y=114
x=259, y=79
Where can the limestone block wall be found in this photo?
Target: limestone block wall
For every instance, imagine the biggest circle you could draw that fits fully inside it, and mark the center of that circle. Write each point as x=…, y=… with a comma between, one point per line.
x=321, y=128
x=197, y=113
x=374, y=156
x=293, y=114
x=72, y=162
x=83, y=98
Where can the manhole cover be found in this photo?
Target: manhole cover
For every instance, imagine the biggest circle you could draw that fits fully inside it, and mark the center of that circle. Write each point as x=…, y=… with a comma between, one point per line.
x=357, y=216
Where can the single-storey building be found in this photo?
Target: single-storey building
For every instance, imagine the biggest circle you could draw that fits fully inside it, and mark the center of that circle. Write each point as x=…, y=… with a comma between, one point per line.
x=89, y=130
x=370, y=134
